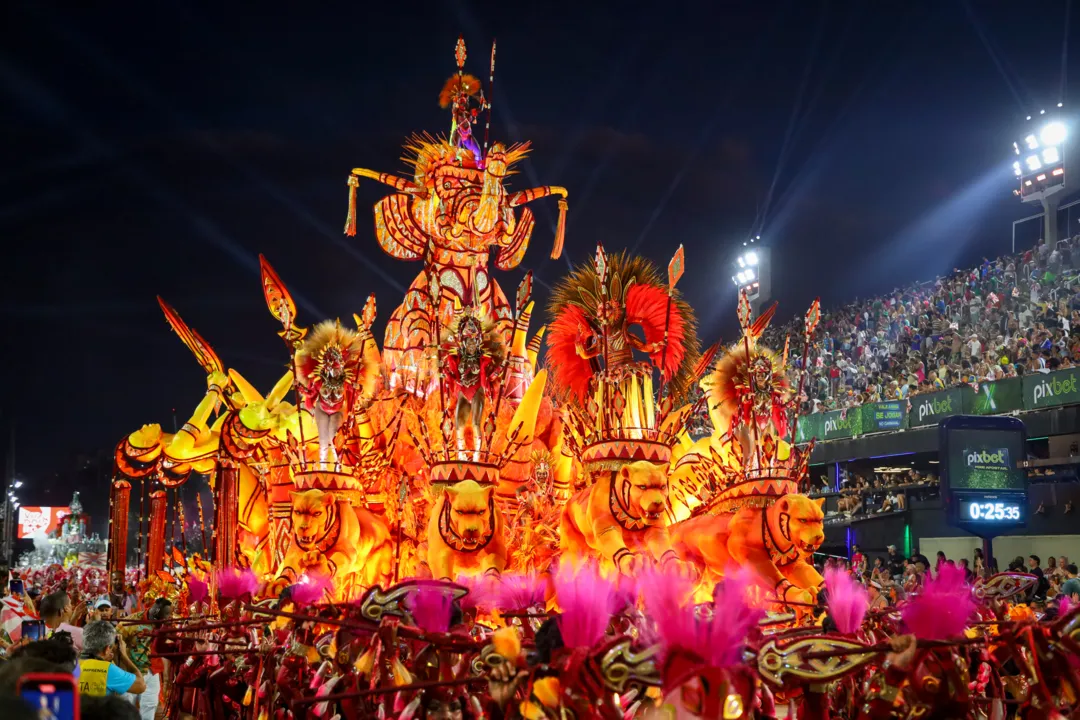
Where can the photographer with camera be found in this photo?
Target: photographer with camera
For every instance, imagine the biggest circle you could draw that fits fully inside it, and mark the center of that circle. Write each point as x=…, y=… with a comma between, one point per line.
x=104, y=666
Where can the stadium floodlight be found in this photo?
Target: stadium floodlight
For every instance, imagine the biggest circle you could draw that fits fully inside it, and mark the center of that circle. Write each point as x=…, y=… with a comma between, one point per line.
x=1053, y=134
x=750, y=257
x=17, y=484
x=742, y=262
x=1040, y=167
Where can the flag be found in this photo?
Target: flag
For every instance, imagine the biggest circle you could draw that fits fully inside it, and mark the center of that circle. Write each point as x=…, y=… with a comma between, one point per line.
x=676, y=267
x=12, y=613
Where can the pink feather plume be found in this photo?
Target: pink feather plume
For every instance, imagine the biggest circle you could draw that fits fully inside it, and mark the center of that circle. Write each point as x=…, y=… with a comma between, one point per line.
x=587, y=601
x=431, y=605
x=719, y=642
x=848, y=600
x=1065, y=605
x=518, y=592
x=197, y=589
x=234, y=583
x=311, y=589
x=942, y=609
x=483, y=592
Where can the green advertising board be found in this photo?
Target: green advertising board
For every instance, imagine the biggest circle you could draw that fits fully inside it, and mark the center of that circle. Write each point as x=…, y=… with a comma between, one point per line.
x=841, y=423
x=882, y=416
x=1051, y=389
x=929, y=408
x=810, y=427
x=995, y=398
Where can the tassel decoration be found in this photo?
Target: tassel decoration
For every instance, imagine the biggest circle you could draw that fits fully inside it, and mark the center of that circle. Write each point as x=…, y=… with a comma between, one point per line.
x=350, y=219
x=560, y=231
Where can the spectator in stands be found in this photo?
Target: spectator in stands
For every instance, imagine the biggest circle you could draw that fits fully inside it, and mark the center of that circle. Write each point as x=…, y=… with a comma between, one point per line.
x=1071, y=587
x=878, y=599
x=940, y=561
x=896, y=562
x=968, y=574
x=1035, y=568
x=99, y=675
x=56, y=611
x=858, y=560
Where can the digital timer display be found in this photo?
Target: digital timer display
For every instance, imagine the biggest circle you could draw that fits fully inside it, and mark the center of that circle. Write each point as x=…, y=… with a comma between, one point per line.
x=990, y=511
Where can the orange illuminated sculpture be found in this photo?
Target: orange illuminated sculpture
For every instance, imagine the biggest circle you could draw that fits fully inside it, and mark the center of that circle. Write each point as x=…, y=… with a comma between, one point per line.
x=450, y=214
x=447, y=452
x=755, y=516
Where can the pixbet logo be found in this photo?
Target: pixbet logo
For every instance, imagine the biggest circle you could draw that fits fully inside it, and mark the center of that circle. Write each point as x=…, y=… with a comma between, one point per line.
x=1053, y=387
x=985, y=457
x=837, y=424
x=929, y=408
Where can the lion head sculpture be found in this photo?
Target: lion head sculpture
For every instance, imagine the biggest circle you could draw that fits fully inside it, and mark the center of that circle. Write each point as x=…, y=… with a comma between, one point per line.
x=314, y=518
x=796, y=525
x=639, y=494
x=467, y=519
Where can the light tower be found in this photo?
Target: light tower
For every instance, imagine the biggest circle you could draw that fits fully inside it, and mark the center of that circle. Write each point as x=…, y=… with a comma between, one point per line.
x=751, y=270
x=1040, y=165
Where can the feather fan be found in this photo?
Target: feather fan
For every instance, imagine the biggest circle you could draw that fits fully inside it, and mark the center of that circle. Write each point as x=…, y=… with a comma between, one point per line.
x=311, y=589
x=942, y=609
x=570, y=372
x=517, y=592
x=645, y=306
x=587, y=601
x=197, y=589
x=468, y=85
x=431, y=605
x=848, y=601
x=717, y=642
x=234, y=583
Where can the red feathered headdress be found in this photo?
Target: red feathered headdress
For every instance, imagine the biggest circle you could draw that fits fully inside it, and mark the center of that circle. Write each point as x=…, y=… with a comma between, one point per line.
x=638, y=288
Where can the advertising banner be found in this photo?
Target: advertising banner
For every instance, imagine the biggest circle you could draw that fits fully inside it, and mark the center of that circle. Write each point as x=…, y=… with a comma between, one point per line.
x=994, y=398
x=928, y=409
x=883, y=416
x=810, y=427
x=1051, y=389
x=841, y=423
x=36, y=521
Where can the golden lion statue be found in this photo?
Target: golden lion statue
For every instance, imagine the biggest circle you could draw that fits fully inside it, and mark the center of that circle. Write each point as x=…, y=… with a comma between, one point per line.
x=622, y=520
x=332, y=538
x=465, y=534
x=778, y=542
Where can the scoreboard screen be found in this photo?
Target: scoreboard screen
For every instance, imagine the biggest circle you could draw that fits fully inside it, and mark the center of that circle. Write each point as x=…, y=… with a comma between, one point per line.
x=982, y=485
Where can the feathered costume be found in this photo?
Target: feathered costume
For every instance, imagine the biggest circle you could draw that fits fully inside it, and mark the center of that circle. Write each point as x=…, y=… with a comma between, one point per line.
x=328, y=365
x=594, y=310
x=748, y=385
x=465, y=372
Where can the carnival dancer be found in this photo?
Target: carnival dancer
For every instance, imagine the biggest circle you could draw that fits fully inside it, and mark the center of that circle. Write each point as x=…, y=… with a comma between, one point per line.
x=474, y=356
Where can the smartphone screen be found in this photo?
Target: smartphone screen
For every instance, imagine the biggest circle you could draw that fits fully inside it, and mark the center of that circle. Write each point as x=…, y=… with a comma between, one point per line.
x=50, y=696
x=33, y=630
x=16, y=587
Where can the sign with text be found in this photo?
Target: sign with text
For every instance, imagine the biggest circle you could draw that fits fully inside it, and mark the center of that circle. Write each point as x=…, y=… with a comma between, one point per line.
x=841, y=423
x=928, y=409
x=883, y=416
x=1051, y=389
x=982, y=486
x=36, y=521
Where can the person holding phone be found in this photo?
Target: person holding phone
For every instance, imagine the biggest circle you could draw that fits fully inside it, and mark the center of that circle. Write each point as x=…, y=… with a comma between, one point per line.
x=104, y=667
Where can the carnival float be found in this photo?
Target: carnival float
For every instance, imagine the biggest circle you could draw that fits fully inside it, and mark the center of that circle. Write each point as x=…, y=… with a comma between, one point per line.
x=459, y=466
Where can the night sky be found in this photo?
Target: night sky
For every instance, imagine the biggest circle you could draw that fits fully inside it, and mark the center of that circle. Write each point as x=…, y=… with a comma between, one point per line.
x=157, y=148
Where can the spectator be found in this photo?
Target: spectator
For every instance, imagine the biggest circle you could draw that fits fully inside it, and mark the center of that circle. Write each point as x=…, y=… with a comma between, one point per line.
x=896, y=562
x=1071, y=587
x=1035, y=568
x=99, y=675
x=103, y=609
x=920, y=558
x=56, y=611
x=878, y=599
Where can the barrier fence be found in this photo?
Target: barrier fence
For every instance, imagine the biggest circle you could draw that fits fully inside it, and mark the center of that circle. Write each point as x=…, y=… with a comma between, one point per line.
x=1031, y=392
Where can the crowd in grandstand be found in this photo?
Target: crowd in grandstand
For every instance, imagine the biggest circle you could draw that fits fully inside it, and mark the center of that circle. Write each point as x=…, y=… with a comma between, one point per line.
x=1004, y=318
x=894, y=576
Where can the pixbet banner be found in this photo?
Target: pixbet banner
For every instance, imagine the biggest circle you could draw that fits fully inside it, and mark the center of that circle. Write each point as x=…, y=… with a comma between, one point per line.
x=35, y=520
x=1051, y=389
x=839, y=424
x=929, y=408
